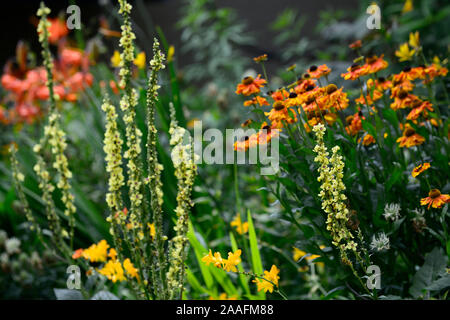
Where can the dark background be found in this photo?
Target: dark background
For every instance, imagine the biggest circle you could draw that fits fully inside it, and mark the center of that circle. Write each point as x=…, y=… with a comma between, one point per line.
x=17, y=19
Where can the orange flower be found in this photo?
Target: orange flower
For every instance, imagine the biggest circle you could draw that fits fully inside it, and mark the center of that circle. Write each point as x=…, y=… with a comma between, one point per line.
x=249, y=85
x=256, y=100
x=367, y=140
x=294, y=99
x=433, y=71
x=420, y=168
x=280, y=95
x=246, y=123
x=266, y=134
x=77, y=254
x=71, y=56
x=246, y=142
x=311, y=105
x=408, y=73
x=355, y=71
x=280, y=113
x=404, y=85
x=376, y=95
x=304, y=85
x=354, y=123
x=375, y=64
x=57, y=30
x=260, y=58
x=403, y=100
x=318, y=71
x=355, y=45
x=410, y=138
x=381, y=84
x=334, y=98
x=423, y=108
x=435, y=199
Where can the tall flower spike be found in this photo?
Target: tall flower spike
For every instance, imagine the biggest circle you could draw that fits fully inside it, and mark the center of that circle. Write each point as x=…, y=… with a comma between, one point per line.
x=18, y=178
x=113, y=150
x=128, y=104
x=183, y=159
x=154, y=167
x=332, y=193
x=55, y=138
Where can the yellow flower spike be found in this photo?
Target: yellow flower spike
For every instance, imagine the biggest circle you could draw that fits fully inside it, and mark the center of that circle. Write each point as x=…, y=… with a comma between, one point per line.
x=404, y=53
x=115, y=59
x=139, y=61
x=414, y=39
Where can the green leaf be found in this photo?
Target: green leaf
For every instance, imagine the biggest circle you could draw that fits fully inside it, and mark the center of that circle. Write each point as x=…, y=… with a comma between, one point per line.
x=256, y=257
x=434, y=265
x=242, y=278
x=199, y=250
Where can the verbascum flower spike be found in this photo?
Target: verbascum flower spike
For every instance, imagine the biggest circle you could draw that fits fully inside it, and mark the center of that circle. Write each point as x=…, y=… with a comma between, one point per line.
x=113, y=151
x=55, y=138
x=154, y=167
x=128, y=104
x=18, y=178
x=183, y=159
x=332, y=193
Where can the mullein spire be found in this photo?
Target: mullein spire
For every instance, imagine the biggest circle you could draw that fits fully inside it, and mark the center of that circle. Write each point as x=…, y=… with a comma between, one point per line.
x=332, y=193
x=183, y=159
x=128, y=104
x=54, y=138
x=154, y=170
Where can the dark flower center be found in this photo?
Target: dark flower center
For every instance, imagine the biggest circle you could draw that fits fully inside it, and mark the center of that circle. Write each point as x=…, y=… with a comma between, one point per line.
x=349, y=119
x=409, y=132
x=278, y=105
x=312, y=68
x=371, y=60
x=407, y=69
x=402, y=94
x=331, y=88
x=434, y=193
x=354, y=67
x=247, y=80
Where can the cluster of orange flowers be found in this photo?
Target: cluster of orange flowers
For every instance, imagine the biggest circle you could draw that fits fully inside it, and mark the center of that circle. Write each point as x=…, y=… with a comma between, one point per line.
x=320, y=104
x=26, y=86
x=308, y=99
